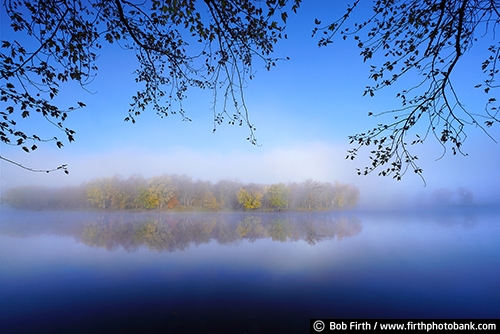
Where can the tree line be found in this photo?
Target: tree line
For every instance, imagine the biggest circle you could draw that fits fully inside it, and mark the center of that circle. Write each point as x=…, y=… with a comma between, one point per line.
x=181, y=192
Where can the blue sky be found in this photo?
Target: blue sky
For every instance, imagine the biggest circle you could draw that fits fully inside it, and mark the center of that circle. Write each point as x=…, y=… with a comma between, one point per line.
x=304, y=109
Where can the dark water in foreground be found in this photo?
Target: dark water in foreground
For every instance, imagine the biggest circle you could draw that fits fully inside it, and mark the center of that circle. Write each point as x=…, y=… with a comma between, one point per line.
x=242, y=273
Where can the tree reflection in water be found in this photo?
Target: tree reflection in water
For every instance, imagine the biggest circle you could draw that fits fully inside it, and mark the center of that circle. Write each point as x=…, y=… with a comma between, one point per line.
x=171, y=232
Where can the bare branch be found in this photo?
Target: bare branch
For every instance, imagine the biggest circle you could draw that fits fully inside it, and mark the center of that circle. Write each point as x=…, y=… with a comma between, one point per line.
x=62, y=167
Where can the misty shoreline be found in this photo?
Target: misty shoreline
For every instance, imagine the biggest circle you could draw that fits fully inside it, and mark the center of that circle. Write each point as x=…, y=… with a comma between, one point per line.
x=416, y=210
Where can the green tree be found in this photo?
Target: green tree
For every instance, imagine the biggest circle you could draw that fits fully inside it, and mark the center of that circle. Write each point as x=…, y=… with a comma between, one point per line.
x=146, y=200
x=278, y=195
x=134, y=185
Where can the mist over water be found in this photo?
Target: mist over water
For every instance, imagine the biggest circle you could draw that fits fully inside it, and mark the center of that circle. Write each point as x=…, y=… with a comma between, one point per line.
x=242, y=273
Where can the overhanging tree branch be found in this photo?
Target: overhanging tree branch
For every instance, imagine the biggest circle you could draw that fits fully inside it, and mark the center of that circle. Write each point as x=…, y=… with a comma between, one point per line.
x=397, y=31
x=67, y=35
x=62, y=167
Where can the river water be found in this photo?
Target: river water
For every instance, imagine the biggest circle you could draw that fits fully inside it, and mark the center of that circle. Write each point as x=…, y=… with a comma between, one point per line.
x=95, y=272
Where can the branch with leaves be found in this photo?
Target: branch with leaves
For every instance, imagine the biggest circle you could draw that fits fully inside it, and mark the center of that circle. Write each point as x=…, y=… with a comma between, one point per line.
x=427, y=39
x=224, y=38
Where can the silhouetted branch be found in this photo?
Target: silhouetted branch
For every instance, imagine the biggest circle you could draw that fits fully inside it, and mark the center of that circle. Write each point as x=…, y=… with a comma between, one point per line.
x=62, y=167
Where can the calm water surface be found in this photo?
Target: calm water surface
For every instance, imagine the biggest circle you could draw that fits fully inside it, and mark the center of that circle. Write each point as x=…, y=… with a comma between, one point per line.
x=242, y=273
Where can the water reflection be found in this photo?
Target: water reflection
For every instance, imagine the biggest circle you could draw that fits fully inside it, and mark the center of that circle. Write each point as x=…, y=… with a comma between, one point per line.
x=174, y=273
x=174, y=232
x=464, y=219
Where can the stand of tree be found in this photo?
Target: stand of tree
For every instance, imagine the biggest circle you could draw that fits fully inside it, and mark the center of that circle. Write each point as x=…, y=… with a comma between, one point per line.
x=181, y=192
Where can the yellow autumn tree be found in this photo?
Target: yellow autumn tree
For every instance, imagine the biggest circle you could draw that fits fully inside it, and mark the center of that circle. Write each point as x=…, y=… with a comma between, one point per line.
x=209, y=201
x=250, y=200
x=159, y=191
x=99, y=193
